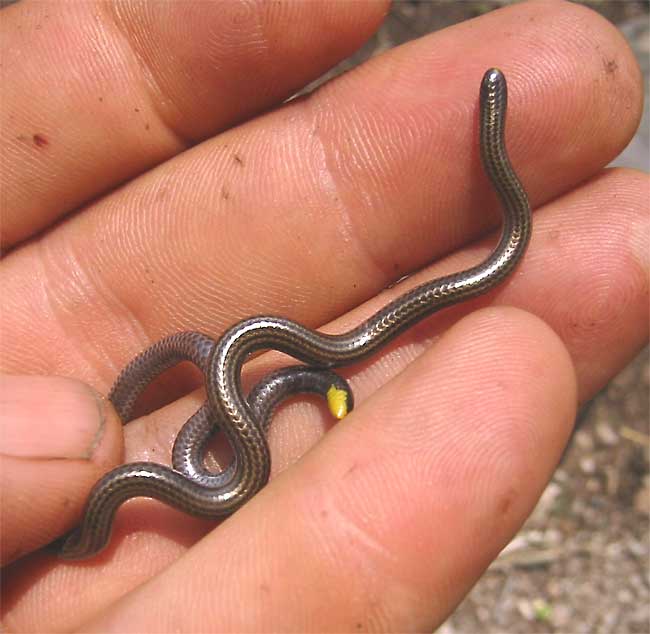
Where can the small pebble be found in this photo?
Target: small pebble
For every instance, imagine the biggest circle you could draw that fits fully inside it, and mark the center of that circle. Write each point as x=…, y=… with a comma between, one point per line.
x=547, y=500
x=588, y=465
x=606, y=434
x=535, y=537
x=637, y=549
x=525, y=608
x=584, y=440
x=614, y=550
x=553, y=536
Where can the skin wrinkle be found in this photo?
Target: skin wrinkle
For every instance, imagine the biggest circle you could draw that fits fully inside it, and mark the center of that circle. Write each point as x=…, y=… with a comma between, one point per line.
x=391, y=174
x=47, y=292
x=128, y=320
x=318, y=112
x=130, y=314
x=373, y=560
x=76, y=389
x=372, y=128
x=86, y=291
x=268, y=268
x=43, y=459
x=153, y=90
x=340, y=537
x=245, y=21
x=364, y=549
x=603, y=304
x=12, y=360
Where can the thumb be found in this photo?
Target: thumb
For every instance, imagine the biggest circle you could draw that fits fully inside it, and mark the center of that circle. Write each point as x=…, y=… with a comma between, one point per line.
x=57, y=436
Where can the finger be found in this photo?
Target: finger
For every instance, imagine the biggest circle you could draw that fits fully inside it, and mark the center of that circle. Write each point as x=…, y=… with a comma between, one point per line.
x=610, y=211
x=57, y=437
x=155, y=80
x=153, y=259
x=416, y=499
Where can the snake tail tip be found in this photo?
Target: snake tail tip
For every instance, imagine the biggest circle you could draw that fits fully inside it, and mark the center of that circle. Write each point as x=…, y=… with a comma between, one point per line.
x=337, y=401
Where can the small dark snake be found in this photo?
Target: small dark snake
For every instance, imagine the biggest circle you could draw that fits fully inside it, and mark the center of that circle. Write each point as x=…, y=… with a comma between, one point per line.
x=189, y=486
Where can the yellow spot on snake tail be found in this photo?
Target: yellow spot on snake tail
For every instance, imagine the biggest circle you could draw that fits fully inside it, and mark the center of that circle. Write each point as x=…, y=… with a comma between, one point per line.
x=337, y=401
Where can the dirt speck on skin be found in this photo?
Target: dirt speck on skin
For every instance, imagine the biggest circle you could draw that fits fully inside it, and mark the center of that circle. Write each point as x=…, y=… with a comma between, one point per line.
x=40, y=140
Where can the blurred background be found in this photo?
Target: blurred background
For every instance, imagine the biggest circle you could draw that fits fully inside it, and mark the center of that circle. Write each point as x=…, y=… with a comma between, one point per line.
x=582, y=561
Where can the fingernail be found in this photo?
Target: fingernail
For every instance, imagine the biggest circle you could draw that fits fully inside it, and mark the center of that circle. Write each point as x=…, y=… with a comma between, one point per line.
x=49, y=417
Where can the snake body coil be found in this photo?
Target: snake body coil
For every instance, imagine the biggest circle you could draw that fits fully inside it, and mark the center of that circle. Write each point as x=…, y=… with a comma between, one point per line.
x=188, y=486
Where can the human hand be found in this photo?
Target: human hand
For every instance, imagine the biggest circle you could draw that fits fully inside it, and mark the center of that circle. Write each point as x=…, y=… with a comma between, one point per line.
x=307, y=211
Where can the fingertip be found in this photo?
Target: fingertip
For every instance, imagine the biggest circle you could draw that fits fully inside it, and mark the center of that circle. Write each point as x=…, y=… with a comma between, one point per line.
x=519, y=380
x=617, y=57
